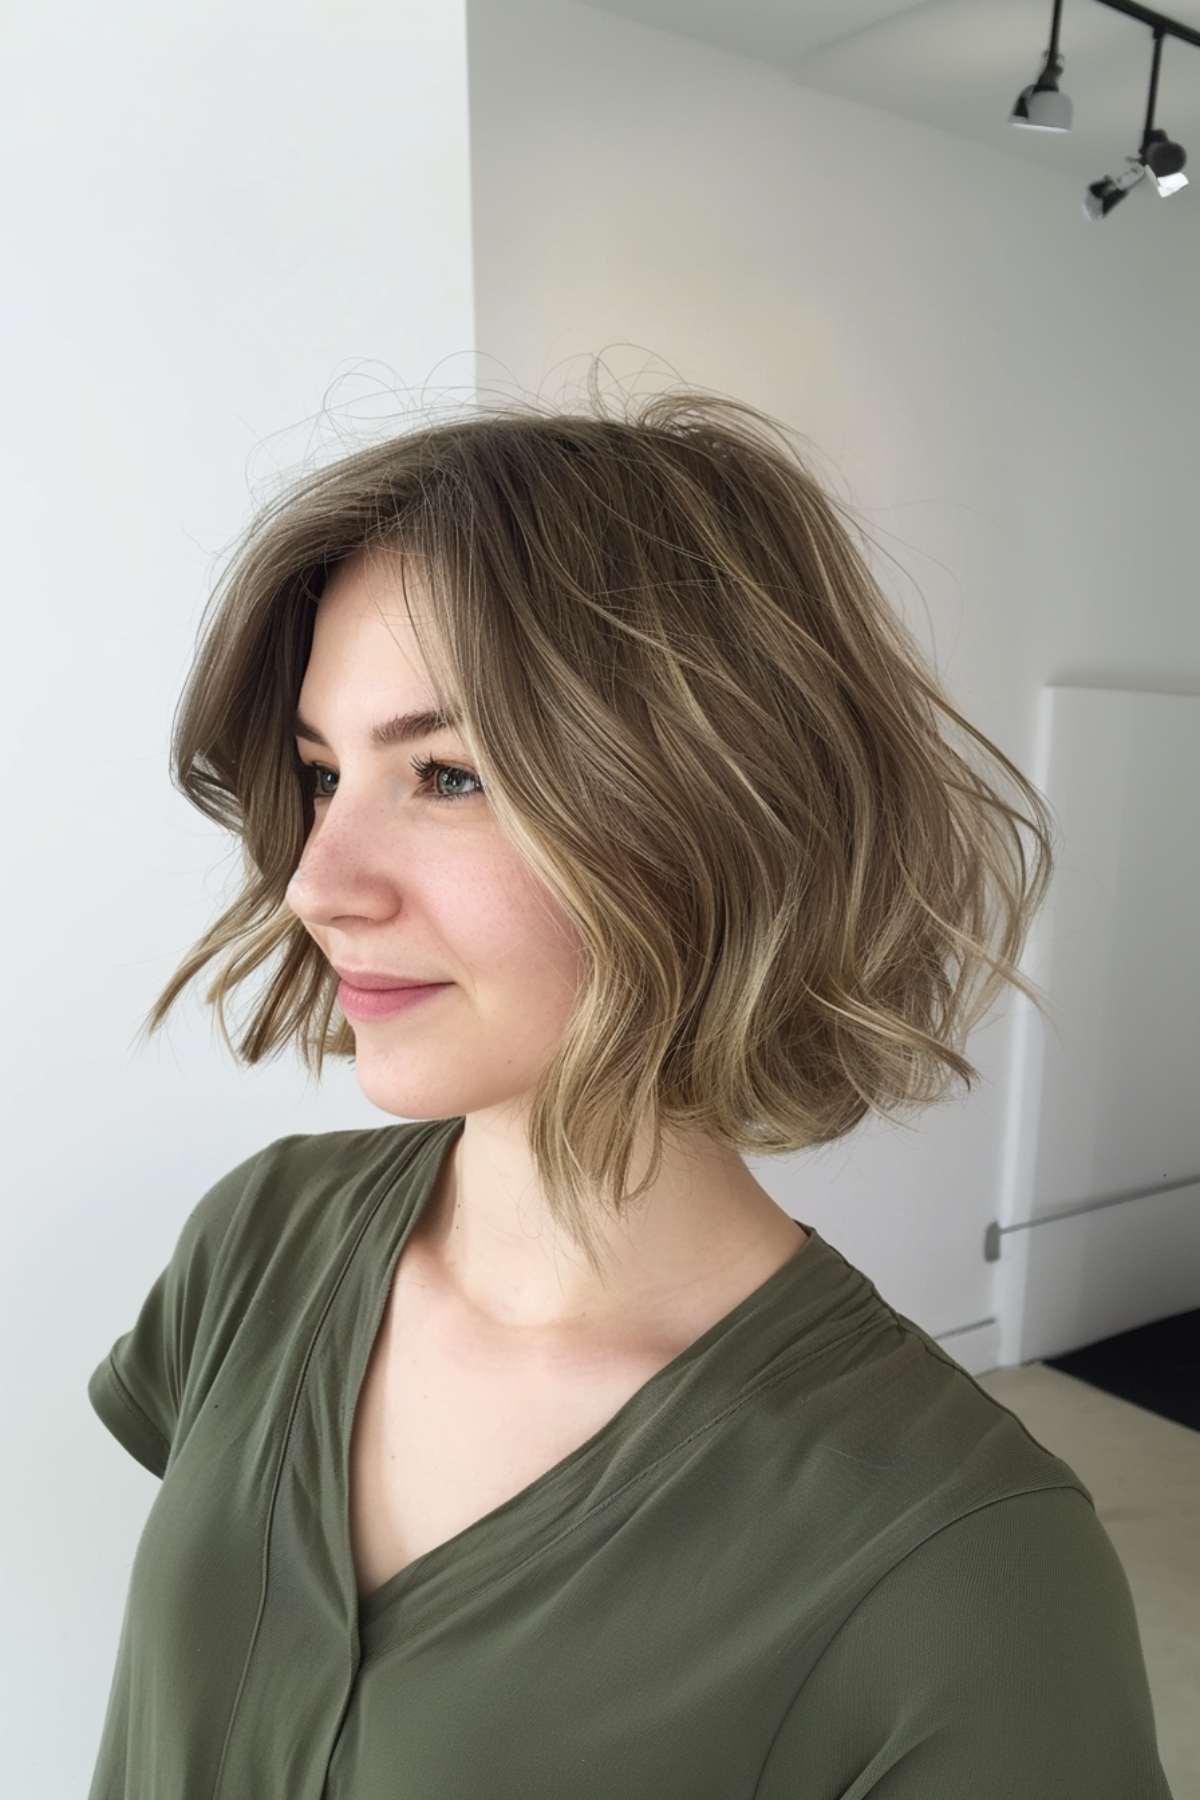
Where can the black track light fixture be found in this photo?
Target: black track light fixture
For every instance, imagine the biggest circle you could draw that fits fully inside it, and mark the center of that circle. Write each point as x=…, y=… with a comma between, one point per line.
x=1041, y=107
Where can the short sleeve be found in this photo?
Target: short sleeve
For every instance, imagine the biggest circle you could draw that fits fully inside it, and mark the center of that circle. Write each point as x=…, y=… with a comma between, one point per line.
x=1001, y=1657
x=137, y=1389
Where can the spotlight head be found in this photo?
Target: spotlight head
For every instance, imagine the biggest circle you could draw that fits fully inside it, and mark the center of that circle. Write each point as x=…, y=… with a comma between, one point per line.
x=1103, y=195
x=1165, y=161
x=1040, y=107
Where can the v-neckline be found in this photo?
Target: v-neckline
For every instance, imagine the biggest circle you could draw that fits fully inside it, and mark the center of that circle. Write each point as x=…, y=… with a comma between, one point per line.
x=365, y=1294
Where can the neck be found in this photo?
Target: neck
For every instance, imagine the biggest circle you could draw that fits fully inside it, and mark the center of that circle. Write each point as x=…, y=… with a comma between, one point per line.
x=485, y=1249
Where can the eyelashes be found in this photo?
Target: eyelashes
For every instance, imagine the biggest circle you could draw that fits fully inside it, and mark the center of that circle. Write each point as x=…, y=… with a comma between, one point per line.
x=427, y=768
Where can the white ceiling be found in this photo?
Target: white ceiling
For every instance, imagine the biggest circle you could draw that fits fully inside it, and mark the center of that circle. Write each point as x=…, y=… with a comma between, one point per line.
x=958, y=65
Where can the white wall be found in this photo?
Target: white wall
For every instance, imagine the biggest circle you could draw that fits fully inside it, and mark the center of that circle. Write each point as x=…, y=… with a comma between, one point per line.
x=221, y=222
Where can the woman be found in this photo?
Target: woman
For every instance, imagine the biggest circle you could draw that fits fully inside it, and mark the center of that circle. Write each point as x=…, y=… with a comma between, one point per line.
x=527, y=1447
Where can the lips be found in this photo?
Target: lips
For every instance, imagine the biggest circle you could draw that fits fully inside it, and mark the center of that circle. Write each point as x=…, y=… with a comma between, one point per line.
x=373, y=981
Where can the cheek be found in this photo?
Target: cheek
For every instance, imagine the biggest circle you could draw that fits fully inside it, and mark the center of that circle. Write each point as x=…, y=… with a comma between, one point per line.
x=509, y=931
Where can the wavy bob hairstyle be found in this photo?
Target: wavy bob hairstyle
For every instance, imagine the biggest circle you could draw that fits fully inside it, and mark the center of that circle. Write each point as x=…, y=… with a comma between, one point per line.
x=770, y=852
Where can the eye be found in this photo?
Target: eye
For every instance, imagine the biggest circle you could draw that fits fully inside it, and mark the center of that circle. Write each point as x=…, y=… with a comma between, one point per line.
x=428, y=768
x=310, y=775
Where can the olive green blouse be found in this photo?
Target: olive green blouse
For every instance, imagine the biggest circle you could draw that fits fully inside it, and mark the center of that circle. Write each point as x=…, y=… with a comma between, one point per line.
x=809, y=1559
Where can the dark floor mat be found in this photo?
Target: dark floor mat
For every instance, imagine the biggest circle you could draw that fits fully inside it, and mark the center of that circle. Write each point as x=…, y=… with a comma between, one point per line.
x=1156, y=1366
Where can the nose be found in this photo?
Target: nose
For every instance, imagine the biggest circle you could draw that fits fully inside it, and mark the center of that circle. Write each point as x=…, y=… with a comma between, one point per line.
x=352, y=861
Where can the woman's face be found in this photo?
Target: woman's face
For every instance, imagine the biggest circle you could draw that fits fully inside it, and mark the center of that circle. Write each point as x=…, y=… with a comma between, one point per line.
x=398, y=880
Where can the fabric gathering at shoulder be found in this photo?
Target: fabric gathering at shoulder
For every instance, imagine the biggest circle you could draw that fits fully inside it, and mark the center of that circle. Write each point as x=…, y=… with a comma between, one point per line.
x=137, y=1389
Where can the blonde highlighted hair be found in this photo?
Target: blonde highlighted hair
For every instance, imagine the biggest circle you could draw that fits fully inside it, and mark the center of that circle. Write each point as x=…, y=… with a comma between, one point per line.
x=696, y=714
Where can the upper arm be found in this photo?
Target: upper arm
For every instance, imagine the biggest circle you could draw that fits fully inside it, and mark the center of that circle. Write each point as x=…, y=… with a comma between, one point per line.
x=1000, y=1658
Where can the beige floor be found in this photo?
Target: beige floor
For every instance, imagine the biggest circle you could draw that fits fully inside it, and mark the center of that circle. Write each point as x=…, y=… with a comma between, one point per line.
x=1144, y=1474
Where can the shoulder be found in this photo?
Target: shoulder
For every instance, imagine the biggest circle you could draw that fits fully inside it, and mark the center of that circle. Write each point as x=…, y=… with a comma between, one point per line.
x=291, y=1204
x=1000, y=1655
x=255, y=1243
x=1036, y=1562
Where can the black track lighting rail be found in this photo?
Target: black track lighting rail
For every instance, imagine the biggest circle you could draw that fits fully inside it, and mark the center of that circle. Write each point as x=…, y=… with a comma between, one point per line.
x=1158, y=23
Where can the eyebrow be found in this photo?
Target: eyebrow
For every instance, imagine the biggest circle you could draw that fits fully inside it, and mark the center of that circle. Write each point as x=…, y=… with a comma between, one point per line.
x=400, y=730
